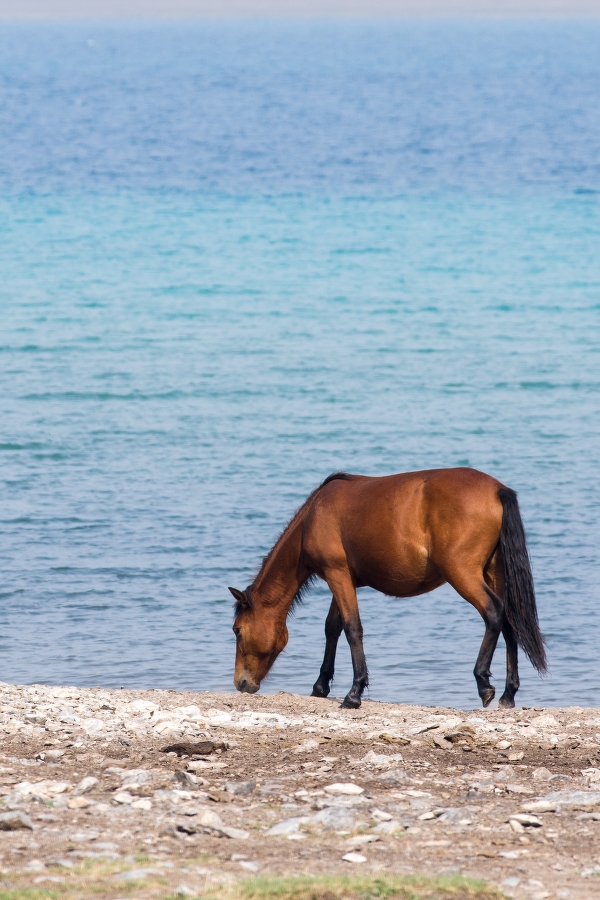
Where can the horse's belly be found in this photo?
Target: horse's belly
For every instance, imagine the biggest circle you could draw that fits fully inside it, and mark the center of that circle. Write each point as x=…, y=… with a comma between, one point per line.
x=401, y=586
x=405, y=573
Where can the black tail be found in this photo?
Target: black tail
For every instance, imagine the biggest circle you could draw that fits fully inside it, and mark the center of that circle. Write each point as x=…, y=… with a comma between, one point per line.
x=519, y=593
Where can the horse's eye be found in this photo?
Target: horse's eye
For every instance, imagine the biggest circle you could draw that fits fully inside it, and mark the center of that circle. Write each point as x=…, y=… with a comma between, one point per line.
x=236, y=631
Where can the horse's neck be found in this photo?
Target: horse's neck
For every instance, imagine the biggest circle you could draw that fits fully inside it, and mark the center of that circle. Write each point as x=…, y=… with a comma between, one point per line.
x=278, y=582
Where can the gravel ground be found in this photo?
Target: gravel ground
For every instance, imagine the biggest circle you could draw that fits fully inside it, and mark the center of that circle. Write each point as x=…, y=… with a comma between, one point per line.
x=285, y=784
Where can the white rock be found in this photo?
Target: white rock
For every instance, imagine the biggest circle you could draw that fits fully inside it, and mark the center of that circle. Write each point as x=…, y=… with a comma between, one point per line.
x=420, y=729
x=306, y=747
x=85, y=785
x=142, y=803
x=123, y=798
x=344, y=788
x=545, y=721
x=379, y=760
x=354, y=857
x=361, y=839
x=380, y=816
x=167, y=725
x=142, y=706
x=387, y=827
x=524, y=819
x=289, y=826
x=249, y=865
x=93, y=726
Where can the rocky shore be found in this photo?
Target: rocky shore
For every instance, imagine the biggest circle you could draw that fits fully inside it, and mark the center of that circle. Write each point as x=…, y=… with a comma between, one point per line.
x=92, y=799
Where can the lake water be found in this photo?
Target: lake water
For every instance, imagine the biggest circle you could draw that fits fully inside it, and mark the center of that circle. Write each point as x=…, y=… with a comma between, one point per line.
x=237, y=257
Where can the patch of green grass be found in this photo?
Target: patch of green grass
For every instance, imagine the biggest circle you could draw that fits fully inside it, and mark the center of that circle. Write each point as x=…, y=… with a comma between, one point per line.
x=331, y=887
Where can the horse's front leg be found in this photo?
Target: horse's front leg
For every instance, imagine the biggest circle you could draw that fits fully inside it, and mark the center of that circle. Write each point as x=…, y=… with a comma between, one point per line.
x=344, y=596
x=333, y=629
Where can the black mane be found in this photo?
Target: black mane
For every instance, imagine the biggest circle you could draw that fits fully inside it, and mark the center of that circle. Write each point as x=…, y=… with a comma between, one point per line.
x=239, y=606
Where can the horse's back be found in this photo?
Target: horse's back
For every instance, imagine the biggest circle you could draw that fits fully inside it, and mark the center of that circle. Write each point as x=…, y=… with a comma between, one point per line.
x=396, y=532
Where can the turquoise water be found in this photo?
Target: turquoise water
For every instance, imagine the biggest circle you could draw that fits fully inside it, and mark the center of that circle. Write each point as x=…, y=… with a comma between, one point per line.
x=229, y=267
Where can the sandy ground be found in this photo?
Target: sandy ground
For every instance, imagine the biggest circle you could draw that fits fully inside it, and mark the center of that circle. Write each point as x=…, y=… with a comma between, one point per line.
x=292, y=785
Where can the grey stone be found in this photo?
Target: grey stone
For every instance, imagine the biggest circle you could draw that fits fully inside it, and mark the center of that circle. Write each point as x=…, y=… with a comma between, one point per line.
x=455, y=814
x=395, y=776
x=187, y=780
x=573, y=799
x=138, y=874
x=13, y=821
x=289, y=826
x=388, y=827
x=334, y=818
x=524, y=819
x=542, y=774
x=235, y=833
x=240, y=788
x=67, y=718
x=106, y=846
x=135, y=778
x=342, y=802
x=209, y=822
x=271, y=788
x=85, y=786
x=53, y=755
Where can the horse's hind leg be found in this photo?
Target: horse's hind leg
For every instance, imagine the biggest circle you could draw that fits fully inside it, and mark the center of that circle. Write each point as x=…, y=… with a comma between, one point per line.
x=333, y=629
x=491, y=609
x=507, y=700
x=494, y=577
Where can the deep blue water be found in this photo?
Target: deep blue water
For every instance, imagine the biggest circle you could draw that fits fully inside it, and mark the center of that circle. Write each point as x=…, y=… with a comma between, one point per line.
x=236, y=257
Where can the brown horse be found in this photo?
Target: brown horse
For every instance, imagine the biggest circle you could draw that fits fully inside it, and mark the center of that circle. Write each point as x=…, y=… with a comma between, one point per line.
x=403, y=535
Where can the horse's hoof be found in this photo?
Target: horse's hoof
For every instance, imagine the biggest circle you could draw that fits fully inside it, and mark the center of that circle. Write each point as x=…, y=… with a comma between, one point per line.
x=318, y=691
x=506, y=702
x=350, y=702
x=488, y=696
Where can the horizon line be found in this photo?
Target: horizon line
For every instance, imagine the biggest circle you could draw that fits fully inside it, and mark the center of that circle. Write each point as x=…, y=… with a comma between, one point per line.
x=177, y=10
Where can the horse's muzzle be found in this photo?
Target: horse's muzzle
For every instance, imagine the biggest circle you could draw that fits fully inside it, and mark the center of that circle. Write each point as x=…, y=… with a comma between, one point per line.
x=246, y=686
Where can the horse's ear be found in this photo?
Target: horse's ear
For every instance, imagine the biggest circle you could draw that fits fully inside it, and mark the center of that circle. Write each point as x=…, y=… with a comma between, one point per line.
x=237, y=595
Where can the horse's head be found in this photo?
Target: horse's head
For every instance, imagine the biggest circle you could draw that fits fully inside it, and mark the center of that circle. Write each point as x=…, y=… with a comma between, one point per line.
x=260, y=636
